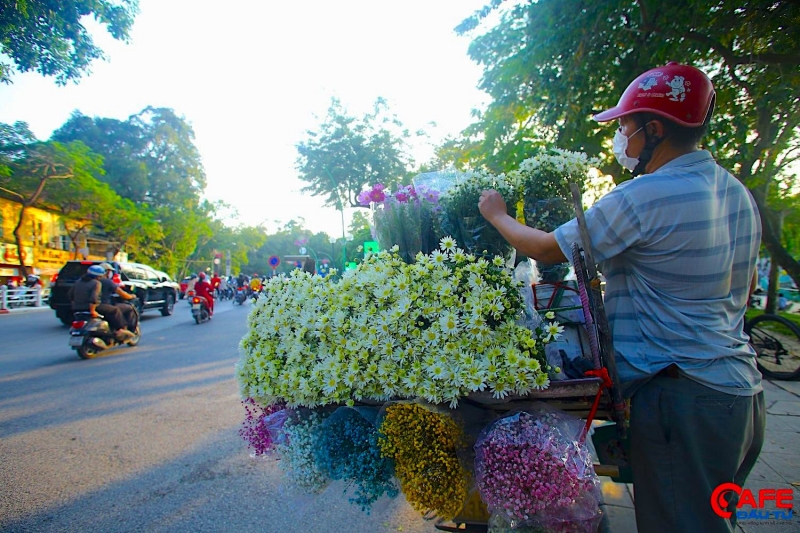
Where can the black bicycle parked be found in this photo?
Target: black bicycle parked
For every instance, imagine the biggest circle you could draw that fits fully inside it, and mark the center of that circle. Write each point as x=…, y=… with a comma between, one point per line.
x=776, y=341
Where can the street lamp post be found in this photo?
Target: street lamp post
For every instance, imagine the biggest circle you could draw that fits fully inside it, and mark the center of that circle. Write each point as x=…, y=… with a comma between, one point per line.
x=340, y=206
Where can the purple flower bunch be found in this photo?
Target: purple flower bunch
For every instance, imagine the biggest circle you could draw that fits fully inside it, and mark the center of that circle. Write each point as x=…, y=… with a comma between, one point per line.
x=255, y=428
x=527, y=464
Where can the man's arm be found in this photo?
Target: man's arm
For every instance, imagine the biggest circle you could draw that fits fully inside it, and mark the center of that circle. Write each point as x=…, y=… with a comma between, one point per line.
x=124, y=295
x=534, y=243
x=94, y=299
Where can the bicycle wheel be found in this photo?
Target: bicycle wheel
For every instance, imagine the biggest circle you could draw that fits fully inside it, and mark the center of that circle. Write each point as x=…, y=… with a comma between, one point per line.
x=776, y=341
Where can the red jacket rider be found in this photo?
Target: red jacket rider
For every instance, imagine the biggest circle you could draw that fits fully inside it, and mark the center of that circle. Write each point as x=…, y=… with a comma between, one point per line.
x=203, y=288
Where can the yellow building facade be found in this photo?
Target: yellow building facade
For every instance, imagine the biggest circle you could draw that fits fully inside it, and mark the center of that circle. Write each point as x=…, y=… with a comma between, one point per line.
x=46, y=245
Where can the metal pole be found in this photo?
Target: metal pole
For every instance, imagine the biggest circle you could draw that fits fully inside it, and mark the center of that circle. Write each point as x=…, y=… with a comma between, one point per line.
x=340, y=205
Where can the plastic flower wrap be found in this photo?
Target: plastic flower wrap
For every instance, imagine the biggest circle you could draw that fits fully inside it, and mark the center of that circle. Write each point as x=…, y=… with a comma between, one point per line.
x=531, y=470
x=437, y=329
x=347, y=449
x=407, y=218
x=424, y=446
x=259, y=425
x=542, y=184
x=462, y=219
x=297, y=450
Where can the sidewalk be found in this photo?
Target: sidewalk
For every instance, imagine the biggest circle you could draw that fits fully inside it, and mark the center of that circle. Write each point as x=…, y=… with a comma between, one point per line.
x=18, y=310
x=778, y=466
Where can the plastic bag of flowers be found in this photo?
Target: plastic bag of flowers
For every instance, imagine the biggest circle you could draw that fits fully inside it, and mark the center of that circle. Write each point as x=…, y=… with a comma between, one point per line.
x=424, y=444
x=261, y=425
x=542, y=182
x=297, y=447
x=462, y=219
x=407, y=218
x=531, y=470
x=347, y=449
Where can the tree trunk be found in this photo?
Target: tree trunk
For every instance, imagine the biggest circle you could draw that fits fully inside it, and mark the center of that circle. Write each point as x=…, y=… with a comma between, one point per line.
x=771, y=239
x=772, y=291
x=23, y=270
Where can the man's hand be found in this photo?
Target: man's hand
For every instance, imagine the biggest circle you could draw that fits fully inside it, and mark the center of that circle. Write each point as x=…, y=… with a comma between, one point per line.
x=492, y=205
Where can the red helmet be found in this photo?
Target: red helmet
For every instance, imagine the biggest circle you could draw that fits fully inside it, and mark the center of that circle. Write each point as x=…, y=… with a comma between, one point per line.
x=678, y=92
x=201, y=275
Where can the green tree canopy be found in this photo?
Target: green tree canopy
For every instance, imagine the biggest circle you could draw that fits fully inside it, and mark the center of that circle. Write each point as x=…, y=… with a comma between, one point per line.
x=150, y=157
x=48, y=36
x=347, y=153
x=548, y=69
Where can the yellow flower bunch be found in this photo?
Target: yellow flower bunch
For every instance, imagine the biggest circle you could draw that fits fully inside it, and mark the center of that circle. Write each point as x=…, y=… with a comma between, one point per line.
x=423, y=445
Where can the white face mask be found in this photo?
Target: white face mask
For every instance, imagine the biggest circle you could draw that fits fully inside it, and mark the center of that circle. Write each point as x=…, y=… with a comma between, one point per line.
x=621, y=148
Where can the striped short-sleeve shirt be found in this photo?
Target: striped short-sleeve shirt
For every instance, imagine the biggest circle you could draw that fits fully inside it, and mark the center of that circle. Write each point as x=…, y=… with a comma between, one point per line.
x=678, y=248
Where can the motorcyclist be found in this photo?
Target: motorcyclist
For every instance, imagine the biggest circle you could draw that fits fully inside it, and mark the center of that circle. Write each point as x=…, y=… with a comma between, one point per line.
x=108, y=289
x=215, y=281
x=223, y=288
x=255, y=284
x=203, y=288
x=85, y=296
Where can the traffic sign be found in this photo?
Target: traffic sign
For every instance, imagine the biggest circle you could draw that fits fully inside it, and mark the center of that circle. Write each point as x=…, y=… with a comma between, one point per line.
x=274, y=261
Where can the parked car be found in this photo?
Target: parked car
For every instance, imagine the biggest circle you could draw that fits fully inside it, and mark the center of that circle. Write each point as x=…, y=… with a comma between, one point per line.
x=155, y=290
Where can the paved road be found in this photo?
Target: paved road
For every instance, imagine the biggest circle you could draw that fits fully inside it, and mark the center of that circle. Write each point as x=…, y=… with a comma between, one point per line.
x=146, y=438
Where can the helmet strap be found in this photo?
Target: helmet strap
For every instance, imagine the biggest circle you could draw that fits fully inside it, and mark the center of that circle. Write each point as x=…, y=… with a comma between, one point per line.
x=650, y=144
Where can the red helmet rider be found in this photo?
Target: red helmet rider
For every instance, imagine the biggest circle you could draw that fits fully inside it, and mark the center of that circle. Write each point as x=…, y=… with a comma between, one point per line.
x=681, y=94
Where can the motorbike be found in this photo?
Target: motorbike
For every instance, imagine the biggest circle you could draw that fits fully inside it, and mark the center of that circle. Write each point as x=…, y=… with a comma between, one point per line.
x=200, y=310
x=90, y=335
x=241, y=295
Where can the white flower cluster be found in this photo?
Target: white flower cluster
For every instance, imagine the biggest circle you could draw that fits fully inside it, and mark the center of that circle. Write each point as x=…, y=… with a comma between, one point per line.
x=548, y=174
x=439, y=329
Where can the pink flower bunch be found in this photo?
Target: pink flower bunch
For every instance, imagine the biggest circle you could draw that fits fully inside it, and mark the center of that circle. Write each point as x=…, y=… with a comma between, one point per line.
x=375, y=194
x=526, y=465
x=430, y=195
x=256, y=426
x=405, y=194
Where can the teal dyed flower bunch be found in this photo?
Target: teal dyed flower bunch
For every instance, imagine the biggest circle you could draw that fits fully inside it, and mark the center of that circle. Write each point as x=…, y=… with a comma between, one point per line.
x=296, y=450
x=347, y=449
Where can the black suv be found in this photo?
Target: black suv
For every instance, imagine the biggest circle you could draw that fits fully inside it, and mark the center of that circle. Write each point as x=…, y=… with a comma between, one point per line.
x=155, y=290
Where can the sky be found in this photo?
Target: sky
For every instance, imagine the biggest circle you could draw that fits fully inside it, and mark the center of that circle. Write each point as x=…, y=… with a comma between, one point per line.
x=252, y=77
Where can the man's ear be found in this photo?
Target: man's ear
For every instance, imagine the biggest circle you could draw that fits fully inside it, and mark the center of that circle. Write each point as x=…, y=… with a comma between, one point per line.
x=655, y=128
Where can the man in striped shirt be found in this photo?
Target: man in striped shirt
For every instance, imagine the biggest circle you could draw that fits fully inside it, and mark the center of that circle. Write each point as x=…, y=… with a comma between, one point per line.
x=678, y=246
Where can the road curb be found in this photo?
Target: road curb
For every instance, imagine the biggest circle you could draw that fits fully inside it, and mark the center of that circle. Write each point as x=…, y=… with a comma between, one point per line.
x=23, y=310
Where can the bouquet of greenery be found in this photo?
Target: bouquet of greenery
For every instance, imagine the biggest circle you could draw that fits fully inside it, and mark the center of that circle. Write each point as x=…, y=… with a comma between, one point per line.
x=462, y=219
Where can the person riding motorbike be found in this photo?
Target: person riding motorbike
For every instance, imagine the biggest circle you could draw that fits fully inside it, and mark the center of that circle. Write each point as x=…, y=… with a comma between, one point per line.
x=215, y=281
x=85, y=296
x=255, y=285
x=108, y=289
x=223, y=289
x=203, y=288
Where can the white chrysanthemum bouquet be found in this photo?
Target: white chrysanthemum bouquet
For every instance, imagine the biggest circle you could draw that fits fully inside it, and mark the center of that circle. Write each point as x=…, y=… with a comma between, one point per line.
x=439, y=329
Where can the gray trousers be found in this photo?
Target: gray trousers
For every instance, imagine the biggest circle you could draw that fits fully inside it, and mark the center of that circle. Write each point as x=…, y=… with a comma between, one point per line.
x=686, y=439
